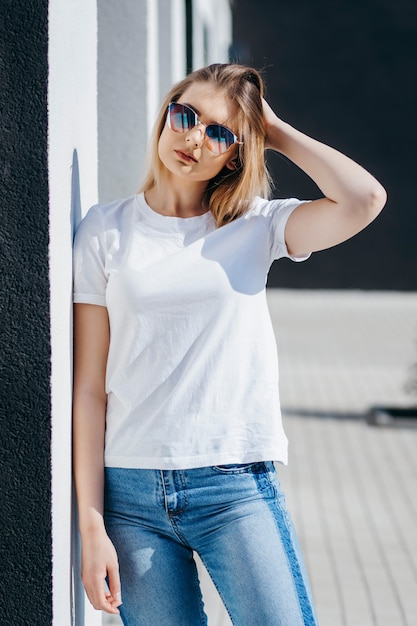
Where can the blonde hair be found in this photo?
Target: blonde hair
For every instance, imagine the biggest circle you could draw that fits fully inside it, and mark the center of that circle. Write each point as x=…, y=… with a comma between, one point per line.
x=230, y=193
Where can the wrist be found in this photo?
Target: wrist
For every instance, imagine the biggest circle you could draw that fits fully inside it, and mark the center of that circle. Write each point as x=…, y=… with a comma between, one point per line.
x=91, y=523
x=278, y=133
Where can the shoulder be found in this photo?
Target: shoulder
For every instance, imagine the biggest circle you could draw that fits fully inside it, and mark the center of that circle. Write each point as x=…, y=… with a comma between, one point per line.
x=111, y=212
x=104, y=217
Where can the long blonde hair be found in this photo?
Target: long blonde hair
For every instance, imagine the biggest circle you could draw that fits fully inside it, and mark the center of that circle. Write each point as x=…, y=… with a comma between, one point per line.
x=230, y=193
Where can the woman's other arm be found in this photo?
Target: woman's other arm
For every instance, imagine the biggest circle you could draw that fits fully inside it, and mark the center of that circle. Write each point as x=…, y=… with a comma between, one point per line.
x=353, y=197
x=99, y=559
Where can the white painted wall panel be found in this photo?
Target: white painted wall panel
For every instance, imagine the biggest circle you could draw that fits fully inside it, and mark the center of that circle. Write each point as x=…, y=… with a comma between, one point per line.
x=124, y=95
x=72, y=161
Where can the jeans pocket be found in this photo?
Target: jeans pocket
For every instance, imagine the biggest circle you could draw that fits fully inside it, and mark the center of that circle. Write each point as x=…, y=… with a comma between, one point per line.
x=240, y=468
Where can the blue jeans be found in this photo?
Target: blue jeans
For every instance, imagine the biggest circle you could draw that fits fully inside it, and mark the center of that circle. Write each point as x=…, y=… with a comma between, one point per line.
x=234, y=517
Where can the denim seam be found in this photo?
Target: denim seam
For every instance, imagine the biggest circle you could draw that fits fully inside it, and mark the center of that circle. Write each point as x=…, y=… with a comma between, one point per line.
x=297, y=576
x=174, y=525
x=171, y=516
x=175, y=512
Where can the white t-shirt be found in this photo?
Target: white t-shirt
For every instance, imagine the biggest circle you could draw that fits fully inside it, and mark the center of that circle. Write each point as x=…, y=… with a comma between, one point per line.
x=192, y=372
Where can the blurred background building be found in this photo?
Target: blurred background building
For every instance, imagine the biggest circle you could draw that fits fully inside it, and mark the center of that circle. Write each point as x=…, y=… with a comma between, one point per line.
x=81, y=83
x=345, y=73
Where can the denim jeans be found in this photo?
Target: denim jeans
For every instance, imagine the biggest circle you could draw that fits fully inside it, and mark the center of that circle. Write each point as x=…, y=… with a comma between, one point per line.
x=234, y=517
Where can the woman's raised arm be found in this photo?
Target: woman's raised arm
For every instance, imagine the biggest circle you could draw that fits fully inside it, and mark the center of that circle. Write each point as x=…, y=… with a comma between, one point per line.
x=353, y=197
x=99, y=559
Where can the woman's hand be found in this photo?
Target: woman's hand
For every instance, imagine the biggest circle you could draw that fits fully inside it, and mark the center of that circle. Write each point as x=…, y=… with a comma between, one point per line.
x=99, y=561
x=352, y=196
x=271, y=120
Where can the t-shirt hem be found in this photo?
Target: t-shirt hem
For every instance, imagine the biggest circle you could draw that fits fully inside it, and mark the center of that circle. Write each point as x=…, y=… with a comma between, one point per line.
x=299, y=259
x=82, y=298
x=285, y=214
x=166, y=463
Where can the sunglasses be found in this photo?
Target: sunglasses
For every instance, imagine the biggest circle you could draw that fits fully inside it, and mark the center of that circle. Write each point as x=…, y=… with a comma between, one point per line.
x=181, y=119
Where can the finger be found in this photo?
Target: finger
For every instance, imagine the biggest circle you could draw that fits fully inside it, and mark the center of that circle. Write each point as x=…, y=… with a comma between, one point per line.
x=100, y=599
x=113, y=578
x=111, y=605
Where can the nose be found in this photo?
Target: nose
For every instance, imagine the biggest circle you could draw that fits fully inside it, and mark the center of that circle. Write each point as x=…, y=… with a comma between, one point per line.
x=195, y=136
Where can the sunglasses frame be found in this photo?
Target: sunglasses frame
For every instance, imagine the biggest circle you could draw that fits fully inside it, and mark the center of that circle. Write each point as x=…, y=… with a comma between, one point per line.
x=206, y=126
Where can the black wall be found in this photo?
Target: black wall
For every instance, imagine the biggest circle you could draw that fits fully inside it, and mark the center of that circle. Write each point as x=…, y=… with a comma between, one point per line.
x=25, y=497
x=345, y=73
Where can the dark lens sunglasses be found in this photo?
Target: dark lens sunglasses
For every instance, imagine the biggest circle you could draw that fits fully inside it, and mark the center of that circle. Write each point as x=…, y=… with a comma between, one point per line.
x=181, y=119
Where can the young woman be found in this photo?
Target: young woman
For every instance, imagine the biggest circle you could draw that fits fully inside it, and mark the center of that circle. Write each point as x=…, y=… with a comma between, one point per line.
x=176, y=411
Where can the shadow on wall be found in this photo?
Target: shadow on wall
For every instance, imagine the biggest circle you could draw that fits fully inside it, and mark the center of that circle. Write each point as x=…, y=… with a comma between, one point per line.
x=75, y=215
x=77, y=590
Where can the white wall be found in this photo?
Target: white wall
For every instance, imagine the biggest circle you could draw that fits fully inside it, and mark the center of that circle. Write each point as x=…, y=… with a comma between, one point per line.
x=72, y=111
x=127, y=92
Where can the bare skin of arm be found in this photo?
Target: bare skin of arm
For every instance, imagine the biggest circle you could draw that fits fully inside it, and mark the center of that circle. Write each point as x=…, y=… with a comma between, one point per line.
x=99, y=559
x=353, y=197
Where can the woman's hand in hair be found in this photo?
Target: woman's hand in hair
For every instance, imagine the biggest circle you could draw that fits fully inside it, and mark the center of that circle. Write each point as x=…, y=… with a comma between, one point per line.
x=271, y=122
x=352, y=196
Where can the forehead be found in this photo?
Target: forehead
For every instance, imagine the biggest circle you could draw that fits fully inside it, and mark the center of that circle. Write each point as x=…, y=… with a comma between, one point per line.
x=210, y=103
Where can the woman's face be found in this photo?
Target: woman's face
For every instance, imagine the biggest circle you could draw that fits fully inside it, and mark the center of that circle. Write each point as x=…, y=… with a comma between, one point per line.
x=185, y=154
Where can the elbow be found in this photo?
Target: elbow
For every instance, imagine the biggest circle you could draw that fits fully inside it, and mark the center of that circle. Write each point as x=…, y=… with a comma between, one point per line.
x=375, y=201
x=370, y=203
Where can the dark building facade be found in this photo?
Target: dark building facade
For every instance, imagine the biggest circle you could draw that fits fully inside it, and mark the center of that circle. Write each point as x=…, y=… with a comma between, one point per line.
x=25, y=409
x=344, y=72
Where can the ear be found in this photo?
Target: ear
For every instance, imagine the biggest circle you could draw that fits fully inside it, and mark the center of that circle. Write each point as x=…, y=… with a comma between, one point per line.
x=232, y=164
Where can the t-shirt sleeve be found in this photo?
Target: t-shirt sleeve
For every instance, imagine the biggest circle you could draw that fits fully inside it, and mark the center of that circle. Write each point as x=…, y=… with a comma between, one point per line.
x=90, y=278
x=278, y=212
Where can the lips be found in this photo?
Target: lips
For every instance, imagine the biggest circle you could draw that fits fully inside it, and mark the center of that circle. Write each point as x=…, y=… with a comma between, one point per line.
x=186, y=156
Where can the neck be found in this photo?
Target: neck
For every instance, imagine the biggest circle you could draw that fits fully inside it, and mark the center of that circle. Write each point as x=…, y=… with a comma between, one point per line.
x=177, y=200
